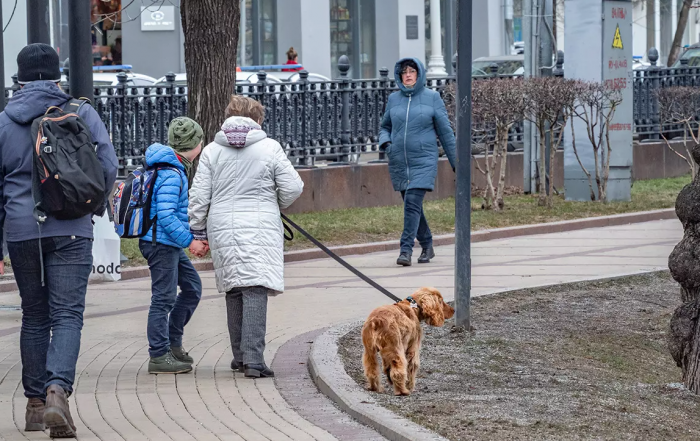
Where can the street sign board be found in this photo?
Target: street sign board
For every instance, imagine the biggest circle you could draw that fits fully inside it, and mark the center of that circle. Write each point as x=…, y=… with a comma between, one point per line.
x=158, y=18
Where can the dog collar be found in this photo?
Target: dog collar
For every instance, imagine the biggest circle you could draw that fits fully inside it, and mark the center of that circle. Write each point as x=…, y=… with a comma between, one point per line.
x=413, y=303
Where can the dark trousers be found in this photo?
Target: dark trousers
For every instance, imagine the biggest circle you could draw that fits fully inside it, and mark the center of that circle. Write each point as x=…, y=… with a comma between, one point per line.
x=169, y=312
x=52, y=315
x=246, y=310
x=414, y=223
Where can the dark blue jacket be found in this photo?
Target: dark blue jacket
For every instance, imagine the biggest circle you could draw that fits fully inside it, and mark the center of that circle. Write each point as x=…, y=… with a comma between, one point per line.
x=16, y=202
x=414, y=119
x=169, y=199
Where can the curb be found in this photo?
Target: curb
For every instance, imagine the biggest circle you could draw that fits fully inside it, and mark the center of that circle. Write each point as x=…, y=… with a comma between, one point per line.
x=447, y=239
x=332, y=380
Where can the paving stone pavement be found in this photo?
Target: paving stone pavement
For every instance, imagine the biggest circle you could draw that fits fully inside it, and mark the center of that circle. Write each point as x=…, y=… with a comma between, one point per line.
x=116, y=399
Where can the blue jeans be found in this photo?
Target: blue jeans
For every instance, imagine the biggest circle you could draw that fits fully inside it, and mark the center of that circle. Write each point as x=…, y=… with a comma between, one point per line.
x=414, y=223
x=52, y=315
x=170, y=268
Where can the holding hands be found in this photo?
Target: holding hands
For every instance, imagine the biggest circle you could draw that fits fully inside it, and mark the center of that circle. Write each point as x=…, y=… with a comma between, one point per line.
x=199, y=248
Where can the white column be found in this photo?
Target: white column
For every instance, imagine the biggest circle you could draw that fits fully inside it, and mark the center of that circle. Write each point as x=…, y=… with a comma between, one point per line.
x=657, y=26
x=436, y=65
x=241, y=33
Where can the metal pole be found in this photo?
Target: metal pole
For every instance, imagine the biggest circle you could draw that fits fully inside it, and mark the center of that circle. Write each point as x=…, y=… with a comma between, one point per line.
x=257, y=33
x=463, y=261
x=2, y=65
x=38, y=24
x=80, y=43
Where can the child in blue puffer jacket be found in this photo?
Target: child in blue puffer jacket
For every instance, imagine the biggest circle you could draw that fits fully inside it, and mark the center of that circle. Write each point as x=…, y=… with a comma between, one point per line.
x=170, y=267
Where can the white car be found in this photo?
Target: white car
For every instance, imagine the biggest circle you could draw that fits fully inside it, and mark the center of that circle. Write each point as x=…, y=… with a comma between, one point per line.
x=110, y=79
x=242, y=78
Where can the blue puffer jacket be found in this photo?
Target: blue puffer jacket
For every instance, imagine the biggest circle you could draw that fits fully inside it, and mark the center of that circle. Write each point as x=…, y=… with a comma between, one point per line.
x=169, y=199
x=414, y=119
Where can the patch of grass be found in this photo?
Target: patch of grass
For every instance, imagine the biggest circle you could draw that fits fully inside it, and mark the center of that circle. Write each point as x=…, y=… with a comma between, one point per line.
x=362, y=225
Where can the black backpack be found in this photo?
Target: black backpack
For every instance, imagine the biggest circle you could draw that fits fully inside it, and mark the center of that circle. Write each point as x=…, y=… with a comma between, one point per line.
x=68, y=180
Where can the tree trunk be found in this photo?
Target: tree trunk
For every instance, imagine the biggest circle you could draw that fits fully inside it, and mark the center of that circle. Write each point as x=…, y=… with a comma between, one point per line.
x=684, y=263
x=502, y=137
x=211, y=29
x=542, y=201
x=680, y=30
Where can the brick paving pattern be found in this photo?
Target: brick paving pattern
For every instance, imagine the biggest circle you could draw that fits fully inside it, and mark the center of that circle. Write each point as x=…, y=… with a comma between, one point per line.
x=116, y=399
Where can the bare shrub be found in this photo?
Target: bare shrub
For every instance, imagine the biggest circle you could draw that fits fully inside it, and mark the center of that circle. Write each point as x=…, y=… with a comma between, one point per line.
x=680, y=105
x=497, y=105
x=595, y=106
x=549, y=104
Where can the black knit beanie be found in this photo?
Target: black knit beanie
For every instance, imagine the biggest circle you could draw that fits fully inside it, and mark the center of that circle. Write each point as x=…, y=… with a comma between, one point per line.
x=38, y=62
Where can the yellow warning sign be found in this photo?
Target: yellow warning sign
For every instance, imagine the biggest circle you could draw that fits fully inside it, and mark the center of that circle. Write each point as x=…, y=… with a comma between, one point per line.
x=617, y=41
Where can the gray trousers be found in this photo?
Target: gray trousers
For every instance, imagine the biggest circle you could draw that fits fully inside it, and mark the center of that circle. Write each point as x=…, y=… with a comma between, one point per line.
x=246, y=310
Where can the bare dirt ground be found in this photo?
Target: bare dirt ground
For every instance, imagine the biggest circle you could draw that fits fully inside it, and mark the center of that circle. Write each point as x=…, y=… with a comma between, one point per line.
x=580, y=361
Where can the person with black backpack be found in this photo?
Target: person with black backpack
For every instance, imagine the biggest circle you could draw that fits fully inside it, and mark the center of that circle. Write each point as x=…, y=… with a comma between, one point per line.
x=57, y=167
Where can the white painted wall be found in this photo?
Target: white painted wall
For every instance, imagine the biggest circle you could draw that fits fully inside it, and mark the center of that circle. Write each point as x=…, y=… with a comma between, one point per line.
x=410, y=48
x=639, y=30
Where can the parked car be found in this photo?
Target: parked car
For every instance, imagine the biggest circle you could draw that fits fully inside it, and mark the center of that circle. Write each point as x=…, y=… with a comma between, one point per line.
x=512, y=65
x=692, y=54
x=243, y=78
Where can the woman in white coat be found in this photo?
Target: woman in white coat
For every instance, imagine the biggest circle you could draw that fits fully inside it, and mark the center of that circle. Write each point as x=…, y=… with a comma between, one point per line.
x=243, y=180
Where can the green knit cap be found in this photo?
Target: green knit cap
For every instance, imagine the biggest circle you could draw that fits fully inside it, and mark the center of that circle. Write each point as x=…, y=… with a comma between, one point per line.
x=184, y=134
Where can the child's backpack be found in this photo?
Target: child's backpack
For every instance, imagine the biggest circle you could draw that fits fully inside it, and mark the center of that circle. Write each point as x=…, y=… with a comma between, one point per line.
x=131, y=205
x=67, y=178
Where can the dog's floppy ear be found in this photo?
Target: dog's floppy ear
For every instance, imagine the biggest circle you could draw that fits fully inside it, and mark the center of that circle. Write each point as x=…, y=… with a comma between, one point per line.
x=431, y=303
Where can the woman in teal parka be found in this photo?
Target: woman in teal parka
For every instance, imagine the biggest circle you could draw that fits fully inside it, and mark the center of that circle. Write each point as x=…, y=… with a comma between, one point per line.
x=414, y=119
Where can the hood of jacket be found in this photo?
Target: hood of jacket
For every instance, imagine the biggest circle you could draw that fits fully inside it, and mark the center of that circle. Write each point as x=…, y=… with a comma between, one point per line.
x=32, y=100
x=162, y=154
x=420, y=81
x=239, y=132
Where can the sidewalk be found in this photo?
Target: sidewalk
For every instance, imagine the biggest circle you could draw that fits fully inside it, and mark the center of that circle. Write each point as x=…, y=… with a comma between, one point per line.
x=116, y=399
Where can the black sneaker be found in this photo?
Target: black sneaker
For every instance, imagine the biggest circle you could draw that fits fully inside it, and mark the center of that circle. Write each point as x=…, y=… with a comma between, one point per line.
x=237, y=366
x=426, y=255
x=404, y=259
x=258, y=371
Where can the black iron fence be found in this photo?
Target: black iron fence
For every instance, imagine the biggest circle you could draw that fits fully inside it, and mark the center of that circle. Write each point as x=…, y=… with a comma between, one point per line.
x=647, y=83
x=331, y=121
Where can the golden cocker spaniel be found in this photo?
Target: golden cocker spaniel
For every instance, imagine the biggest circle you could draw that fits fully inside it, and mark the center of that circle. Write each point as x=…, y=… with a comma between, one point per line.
x=395, y=332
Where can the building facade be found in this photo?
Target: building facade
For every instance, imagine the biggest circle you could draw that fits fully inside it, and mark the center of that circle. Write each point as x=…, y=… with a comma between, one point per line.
x=372, y=33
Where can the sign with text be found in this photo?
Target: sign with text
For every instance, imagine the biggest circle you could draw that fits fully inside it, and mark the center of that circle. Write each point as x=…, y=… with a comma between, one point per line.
x=618, y=75
x=158, y=18
x=412, y=27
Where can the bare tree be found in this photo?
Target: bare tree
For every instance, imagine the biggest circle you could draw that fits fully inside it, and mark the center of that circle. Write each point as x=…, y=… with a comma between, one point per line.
x=211, y=43
x=549, y=103
x=497, y=104
x=595, y=106
x=680, y=30
x=680, y=106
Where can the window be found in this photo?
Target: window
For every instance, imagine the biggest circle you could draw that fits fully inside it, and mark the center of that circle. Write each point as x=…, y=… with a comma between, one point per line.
x=258, y=34
x=106, y=32
x=353, y=34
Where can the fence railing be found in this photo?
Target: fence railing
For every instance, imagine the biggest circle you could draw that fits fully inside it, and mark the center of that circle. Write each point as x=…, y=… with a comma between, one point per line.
x=647, y=83
x=331, y=121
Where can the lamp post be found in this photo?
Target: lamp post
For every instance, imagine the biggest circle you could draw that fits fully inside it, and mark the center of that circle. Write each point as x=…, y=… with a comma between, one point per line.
x=38, y=28
x=463, y=262
x=80, y=44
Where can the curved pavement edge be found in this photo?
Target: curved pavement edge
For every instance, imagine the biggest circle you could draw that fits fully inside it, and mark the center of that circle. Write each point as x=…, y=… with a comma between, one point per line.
x=330, y=377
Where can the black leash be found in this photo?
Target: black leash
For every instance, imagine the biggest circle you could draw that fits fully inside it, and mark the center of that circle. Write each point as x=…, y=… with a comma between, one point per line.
x=337, y=258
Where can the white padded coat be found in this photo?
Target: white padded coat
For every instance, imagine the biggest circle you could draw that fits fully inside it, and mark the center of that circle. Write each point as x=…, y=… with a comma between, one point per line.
x=242, y=181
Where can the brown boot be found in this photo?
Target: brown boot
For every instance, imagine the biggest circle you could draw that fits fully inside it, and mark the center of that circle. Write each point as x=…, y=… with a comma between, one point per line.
x=57, y=414
x=34, y=418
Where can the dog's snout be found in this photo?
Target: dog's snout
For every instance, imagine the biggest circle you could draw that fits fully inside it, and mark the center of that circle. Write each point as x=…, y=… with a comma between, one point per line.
x=448, y=311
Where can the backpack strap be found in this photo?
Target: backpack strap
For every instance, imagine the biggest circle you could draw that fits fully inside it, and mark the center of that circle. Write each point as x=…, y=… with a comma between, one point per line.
x=74, y=105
